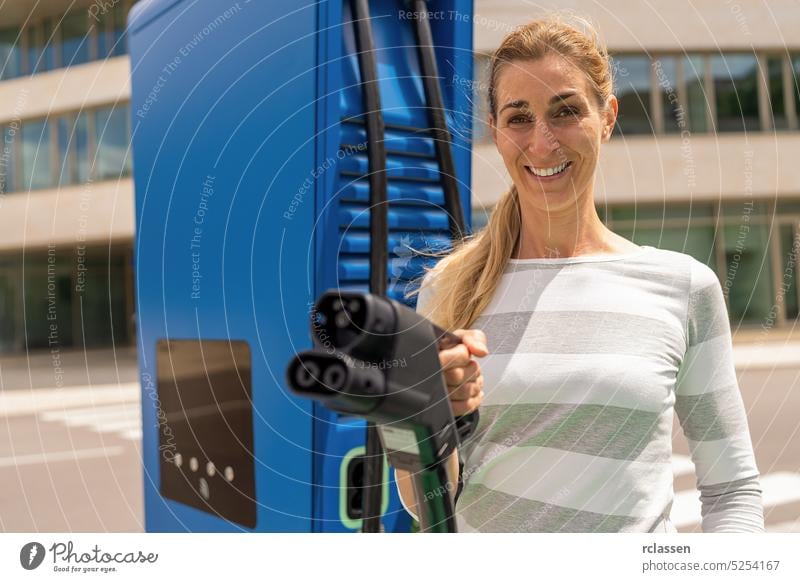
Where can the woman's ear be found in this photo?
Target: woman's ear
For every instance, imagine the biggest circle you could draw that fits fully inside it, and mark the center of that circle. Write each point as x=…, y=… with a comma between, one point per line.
x=493, y=128
x=610, y=117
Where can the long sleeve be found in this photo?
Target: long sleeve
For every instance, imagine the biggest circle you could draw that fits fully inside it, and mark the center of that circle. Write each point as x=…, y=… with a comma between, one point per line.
x=709, y=406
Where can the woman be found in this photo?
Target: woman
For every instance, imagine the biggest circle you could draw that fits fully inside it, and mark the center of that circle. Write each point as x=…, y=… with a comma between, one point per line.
x=594, y=341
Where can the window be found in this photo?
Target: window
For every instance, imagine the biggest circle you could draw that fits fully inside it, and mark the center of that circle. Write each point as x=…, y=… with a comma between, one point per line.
x=8, y=136
x=36, y=166
x=790, y=244
x=73, y=150
x=734, y=241
x=119, y=44
x=75, y=35
x=667, y=84
x=736, y=92
x=659, y=212
x=10, y=54
x=685, y=228
x=66, y=39
x=748, y=277
x=796, y=82
x=64, y=149
x=112, y=159
x=35, y=52
x=775, y=85
x=696, y=99
x=632, y=85
x=694, y=240
x=49, y=38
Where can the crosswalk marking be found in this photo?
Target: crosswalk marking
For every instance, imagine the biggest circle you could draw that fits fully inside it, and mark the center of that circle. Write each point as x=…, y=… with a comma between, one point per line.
x=115, y=409
x=25, y=402
x=74, y=455
x=785, y=527
x=779, y=488
x=97, y=415
x=123, y=420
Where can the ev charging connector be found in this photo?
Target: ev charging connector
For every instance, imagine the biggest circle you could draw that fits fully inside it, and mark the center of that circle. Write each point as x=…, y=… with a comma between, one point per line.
x=378, y=359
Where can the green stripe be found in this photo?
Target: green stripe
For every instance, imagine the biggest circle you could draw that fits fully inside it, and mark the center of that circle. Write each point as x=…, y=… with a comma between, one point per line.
x=712, y=415
x=493, y=511
x=604, y=431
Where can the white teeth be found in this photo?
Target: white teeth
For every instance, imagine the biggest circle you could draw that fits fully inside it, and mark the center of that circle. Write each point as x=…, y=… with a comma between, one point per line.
x=547, y=171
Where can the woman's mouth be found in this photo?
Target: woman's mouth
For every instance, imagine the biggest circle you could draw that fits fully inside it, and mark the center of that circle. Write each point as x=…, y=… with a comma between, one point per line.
x=548, y=174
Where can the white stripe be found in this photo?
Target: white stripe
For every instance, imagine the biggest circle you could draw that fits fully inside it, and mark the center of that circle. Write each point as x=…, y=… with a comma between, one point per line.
x=547, y=290
x=24, y=402
x=706, y=367
x=54, y=457
x=779, y=488
x=582, y=482
x=601, y=379
x=715, y=459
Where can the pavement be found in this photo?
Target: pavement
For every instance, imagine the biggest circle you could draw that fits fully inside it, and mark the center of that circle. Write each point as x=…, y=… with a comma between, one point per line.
x=70, y=439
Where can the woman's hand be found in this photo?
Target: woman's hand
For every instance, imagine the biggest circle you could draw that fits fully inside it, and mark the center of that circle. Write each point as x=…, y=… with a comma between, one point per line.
x=462, y=374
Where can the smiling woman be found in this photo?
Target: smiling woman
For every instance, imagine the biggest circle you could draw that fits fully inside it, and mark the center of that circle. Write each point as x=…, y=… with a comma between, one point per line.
x=589, y=343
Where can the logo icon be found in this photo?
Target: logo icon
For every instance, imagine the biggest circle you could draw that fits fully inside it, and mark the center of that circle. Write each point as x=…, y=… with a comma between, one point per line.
x=31, y=555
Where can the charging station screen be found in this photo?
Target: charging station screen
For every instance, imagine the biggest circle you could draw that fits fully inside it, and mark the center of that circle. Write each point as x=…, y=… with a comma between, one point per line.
x=205, y=421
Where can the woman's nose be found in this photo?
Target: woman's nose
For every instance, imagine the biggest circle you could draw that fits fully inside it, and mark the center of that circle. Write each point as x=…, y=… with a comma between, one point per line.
x=543, y=142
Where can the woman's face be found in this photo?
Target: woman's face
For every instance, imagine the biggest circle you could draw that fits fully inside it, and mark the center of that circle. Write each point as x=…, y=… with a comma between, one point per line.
x=548, y=129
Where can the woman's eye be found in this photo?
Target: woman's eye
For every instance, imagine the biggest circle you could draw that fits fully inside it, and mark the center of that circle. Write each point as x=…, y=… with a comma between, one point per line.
x=518, y=119
x=571, y=111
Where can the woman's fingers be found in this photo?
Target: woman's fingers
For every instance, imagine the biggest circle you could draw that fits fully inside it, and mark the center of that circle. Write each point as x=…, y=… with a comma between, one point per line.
x=454, y=357
x=475, y=340
x=461, y=374
x=467, y=390
x=461, y=407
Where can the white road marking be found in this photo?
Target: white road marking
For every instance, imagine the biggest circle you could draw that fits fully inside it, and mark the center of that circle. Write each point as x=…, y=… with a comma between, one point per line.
x=779, y=488
x=132, y=435
x=74, y=415
x=785, y=527
x=25, y=402
x=101, y=419
x=54, y=457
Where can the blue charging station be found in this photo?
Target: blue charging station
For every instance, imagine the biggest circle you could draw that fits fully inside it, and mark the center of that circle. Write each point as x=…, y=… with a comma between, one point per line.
x=252, y=190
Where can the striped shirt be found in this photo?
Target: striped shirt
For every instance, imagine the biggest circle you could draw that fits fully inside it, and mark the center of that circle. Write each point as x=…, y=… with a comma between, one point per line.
x=589, y=357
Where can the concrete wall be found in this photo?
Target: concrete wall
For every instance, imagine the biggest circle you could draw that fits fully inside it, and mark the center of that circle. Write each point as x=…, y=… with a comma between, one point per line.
x=69, y=89
x=630, y=25
x=646, y=169
x=93, y=213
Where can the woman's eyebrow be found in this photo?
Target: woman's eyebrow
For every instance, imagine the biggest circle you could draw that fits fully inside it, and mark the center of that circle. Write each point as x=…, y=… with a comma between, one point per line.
x=562, y=96
x=521, y=103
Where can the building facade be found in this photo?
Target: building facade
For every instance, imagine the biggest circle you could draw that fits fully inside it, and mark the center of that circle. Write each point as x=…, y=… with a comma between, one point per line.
x=703, y=159
x=66, y=195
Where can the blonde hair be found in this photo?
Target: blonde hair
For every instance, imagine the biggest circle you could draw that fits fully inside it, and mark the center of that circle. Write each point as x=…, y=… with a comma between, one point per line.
x=463, y=282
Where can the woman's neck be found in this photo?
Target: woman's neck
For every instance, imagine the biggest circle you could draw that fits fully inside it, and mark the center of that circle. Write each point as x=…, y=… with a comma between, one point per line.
x=549, y=236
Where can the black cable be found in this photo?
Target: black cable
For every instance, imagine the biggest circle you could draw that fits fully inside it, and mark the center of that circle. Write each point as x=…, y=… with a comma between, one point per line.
x=378, y=232
x=436, y=116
